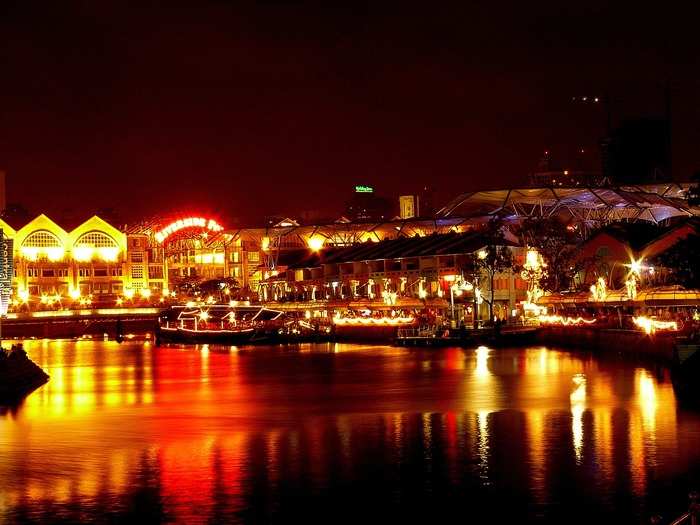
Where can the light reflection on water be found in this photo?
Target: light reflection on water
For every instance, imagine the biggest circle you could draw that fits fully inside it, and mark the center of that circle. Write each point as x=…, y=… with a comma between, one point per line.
x=223, y=434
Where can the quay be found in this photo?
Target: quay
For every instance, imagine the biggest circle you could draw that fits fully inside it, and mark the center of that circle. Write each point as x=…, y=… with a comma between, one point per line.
x=68, y=324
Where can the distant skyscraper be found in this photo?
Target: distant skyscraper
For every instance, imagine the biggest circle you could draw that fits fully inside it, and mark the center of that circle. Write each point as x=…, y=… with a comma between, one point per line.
x=409, y=206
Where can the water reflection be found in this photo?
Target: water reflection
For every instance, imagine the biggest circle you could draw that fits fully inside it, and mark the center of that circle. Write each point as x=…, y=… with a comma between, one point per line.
x=214, y=434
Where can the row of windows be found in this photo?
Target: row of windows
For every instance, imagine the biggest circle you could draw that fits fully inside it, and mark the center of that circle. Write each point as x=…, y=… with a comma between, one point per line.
x=46, y=239
x=82, y=272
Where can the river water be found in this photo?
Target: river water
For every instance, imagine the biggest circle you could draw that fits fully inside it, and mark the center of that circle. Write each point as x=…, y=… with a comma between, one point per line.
x=343, y=434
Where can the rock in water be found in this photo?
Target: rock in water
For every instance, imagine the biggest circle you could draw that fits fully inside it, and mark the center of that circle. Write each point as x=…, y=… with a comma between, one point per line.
x=19, y=375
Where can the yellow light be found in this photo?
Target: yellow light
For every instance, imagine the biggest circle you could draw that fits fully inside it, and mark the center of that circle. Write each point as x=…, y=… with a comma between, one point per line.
x=165, y=292
x=316, y=243
x=450, y=278
x=636, y=266
x=75, y=293
x=204, y=316
x=565, y=321
x=55, y=254
x=146, y=293
x=83, y=253
x=210, y=299
x=120, y=301
x=532, y=260
x=651, y=326
x=31, y=254
x=265, y=244
x=482, y=254
x=373, y=321
x=108, y=254
x=23, y=295
x=129, y=293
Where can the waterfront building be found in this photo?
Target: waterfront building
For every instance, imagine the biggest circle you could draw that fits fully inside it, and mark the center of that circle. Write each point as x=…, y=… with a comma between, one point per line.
x=433, y=271
x=55, y=265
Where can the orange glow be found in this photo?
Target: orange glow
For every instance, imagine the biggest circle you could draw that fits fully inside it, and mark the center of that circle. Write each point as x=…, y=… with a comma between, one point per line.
x=565, y=321
x=651, y=326
x=190, y=222
x=372, y=321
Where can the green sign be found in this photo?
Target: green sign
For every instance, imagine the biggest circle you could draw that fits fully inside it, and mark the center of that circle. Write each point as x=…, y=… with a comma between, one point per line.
x=364, y=189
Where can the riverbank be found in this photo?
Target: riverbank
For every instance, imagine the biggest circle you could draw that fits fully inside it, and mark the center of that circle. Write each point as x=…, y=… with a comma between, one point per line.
x=72, y=324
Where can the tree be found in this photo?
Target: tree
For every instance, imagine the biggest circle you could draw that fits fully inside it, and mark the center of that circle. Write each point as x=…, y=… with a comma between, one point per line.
x=494, y=258
x=557, y=244
x=682, y=262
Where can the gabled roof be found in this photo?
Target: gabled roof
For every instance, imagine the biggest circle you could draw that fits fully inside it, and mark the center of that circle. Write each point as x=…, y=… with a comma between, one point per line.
x=429, y=245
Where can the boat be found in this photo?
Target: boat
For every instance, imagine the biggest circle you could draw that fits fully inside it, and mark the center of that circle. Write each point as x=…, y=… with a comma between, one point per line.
x=217, y=324
x=19, y=375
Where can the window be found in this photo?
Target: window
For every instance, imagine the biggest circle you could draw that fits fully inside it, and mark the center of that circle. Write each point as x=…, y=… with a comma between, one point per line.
x=137, y=272
x=32, y=272
x=84, y=272
x=42, y=239
x=137, y=257
x=117, y=287
x=100, y=288
x=254, y=256
x=101, y=272
x=96, y=239
x=62, y=272
x=117, y=272
x=48, y=272
x=155, y=272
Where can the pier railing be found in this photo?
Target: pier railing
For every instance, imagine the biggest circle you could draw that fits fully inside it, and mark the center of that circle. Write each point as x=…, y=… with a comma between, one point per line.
x=692, y=517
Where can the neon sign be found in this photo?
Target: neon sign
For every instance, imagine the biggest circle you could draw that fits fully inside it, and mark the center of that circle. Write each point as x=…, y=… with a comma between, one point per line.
x=190, y=222
x=364, y=189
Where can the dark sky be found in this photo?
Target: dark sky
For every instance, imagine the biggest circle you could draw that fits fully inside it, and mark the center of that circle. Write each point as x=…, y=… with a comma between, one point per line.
x=253, y=108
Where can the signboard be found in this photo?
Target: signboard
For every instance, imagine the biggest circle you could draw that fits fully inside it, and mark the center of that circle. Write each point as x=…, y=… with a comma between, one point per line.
x=189, y=222
x=364, y=189
x=6, y=272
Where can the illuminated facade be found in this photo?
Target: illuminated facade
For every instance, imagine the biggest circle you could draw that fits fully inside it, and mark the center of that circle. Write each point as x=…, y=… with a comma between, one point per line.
x=93, y=263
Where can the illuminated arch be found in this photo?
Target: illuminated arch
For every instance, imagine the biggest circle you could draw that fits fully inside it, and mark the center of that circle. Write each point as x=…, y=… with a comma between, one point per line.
x=42, y=242
x=96, y=243
x=185, y=223
x=97, y=239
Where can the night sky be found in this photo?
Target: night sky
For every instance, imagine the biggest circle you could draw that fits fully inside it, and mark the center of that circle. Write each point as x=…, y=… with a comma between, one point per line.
x=245, y=109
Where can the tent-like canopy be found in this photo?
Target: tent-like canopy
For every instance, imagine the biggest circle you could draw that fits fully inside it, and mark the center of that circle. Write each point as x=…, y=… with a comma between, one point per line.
x=591, y=206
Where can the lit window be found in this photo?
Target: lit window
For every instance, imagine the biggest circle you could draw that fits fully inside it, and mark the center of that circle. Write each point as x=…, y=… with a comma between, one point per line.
x=96, y=244
x=137, y=272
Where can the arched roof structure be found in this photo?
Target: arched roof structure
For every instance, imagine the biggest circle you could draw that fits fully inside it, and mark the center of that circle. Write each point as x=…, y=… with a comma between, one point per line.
x=588, y=205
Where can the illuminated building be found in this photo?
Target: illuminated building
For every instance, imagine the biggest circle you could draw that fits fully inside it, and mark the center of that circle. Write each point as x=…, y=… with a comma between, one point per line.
x=419, y=272
x=94, y=263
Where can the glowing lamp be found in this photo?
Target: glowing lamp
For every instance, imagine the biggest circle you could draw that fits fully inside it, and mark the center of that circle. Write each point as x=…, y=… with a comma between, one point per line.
x=83, y=253
x=482, y=254
x=316, y=243
x=75, y=294
x=23, y=295
x=146, y=293
x=129, y=293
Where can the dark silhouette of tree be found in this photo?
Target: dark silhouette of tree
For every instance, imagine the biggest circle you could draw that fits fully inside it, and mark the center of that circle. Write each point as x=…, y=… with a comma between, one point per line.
x=495, y=257
x=681, y=263
x=557, y=245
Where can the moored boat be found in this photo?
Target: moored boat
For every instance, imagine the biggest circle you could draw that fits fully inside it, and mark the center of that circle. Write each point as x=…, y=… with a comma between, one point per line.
x=217, y=324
